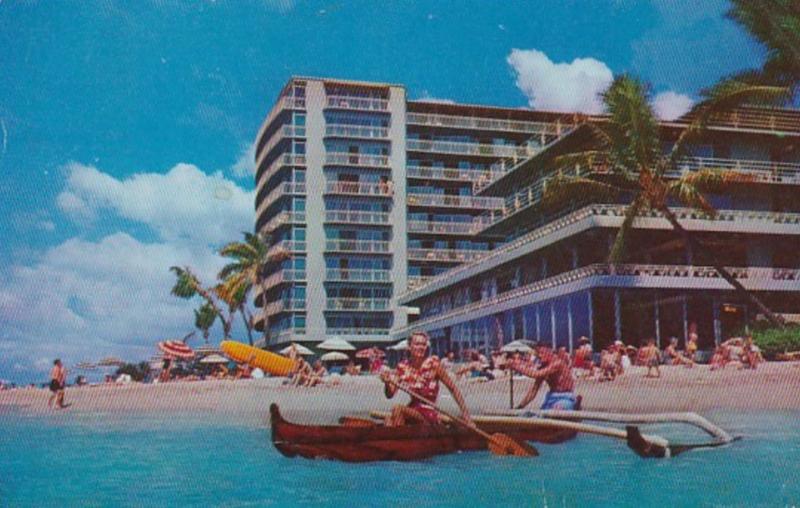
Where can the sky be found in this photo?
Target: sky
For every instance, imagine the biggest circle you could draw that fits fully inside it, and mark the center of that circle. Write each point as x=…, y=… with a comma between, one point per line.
x=126, y=128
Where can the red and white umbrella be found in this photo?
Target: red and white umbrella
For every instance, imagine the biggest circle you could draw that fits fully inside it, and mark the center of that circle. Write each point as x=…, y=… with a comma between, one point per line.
x=176, y=349
x=371, y=352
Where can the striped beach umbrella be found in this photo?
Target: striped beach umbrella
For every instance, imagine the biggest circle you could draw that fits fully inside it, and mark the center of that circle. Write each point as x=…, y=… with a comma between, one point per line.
x=176, y=349
x=110, y=361
x=85, y=366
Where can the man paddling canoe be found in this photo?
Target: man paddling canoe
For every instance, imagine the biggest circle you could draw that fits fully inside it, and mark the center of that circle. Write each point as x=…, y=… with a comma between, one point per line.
x=558, y=375
x=420, y=375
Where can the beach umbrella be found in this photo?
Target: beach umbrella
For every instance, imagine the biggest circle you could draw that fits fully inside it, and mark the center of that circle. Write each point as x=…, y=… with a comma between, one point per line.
x=301, y=350
x=516, y=346
x=207, y=349
x=400, y=346
x=336, y=344
x=85, y=366
x=333, y=356
x=214, y=358
x=370, y=352
x=176, y=349
x=110, y=361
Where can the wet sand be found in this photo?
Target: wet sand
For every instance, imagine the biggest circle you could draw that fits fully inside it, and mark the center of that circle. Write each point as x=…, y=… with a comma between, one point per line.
x=772, y=387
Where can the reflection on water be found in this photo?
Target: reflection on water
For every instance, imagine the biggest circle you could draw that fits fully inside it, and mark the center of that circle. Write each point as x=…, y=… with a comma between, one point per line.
x=107, y=460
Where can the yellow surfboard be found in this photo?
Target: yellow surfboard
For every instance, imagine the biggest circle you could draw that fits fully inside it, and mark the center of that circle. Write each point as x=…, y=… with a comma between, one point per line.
x=271, y=363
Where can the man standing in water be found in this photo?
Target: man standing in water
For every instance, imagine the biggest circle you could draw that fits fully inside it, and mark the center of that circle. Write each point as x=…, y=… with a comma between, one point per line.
x=558, y=375
x=421, y=375
x=58, y=383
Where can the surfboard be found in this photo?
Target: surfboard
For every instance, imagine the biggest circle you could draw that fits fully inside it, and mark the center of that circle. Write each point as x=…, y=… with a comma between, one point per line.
x=271, y=363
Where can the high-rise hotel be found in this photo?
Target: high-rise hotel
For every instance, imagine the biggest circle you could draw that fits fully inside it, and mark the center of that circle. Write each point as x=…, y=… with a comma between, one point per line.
x=393, y=210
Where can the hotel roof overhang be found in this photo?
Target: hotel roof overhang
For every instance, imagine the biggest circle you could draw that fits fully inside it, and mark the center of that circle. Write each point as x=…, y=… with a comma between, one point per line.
x=485, y=111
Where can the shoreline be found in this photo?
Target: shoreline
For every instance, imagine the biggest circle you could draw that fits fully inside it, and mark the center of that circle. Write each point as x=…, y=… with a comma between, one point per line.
x=772, y=387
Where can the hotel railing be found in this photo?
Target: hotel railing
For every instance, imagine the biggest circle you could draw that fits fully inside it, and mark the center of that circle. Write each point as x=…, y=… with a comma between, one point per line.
x=609, y=270
x=279, y=306
x=357, y=103
x=356, y=159
x=358, y=304
x=480, y=202
x=471, y=122
x=359, y=189
x=282, y=104
x=283, y=189
x=287, y=246
x=356, y=217
x=442, y=228
x=759, y=119
x=617, y=211
x=358, y=331
x=461, y=175
x=279, y=277
x=368, y=246
x=415, y=282
x=447, y=255
x=285, y=132
x=761, y=171
x=463, y=148
x=356, y=131
x=356, y=275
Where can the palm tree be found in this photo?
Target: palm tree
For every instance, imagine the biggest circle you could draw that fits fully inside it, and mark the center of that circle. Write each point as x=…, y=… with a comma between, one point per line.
x=251, y=261
x=234, y=294
x=627, y=148
x=188, y=286
x=204, y=318
x=776, y=24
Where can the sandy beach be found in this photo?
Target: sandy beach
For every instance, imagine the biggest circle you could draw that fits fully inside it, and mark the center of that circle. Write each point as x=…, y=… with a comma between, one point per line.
x=773, y=387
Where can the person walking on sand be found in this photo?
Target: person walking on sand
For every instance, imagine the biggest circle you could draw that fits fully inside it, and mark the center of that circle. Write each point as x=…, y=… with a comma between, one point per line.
x=556, y=372
x=58, y=383
x=650, y=357
x=421, y=375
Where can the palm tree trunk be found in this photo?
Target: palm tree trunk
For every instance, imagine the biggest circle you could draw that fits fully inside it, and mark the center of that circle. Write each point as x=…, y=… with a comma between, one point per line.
x=692, y=245
x=247, y=325
x=263, y=308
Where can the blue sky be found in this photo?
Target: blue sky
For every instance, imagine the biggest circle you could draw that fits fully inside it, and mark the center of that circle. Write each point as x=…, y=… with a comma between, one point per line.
x=125, y=126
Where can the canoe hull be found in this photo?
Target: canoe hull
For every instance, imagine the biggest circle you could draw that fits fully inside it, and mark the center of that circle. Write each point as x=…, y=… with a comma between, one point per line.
x=370, y=443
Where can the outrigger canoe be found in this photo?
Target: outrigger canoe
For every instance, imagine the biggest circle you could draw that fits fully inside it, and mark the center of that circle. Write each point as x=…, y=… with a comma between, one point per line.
x=372, y=442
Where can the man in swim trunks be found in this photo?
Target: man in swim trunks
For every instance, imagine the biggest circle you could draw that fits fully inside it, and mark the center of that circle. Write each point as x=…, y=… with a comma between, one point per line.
x=420, y=375
x=58, y=382
x=558, y=375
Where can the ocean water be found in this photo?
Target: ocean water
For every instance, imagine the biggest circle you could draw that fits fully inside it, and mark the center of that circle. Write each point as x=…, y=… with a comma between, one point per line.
x=191, y=460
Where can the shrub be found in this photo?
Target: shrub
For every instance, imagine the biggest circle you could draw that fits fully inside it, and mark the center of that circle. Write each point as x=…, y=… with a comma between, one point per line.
x=773, y=341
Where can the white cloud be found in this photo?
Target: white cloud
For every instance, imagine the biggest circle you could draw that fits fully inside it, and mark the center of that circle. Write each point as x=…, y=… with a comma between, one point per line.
x=83, y=300
x=574, y=86
x=183, y=204
x=245, y=165
x=671, y=105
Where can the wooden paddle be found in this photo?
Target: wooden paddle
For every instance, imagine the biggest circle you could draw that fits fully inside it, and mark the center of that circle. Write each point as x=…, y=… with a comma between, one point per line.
x=499, y=444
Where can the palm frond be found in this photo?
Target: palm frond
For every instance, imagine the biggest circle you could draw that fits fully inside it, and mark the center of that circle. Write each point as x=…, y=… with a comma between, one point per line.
x=186, y=285
x=716, y=179
x=205, y=316
x=632, y=125
x=560, y=190
x=690, y=195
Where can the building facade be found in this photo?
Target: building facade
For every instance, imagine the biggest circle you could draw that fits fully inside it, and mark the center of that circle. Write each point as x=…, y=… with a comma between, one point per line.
x=381, y=206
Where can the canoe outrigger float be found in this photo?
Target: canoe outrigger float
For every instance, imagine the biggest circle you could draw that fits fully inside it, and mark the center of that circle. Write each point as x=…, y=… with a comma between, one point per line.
x=361, y=440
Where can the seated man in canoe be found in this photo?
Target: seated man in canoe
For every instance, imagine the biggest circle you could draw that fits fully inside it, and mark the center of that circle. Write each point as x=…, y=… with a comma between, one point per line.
x=419, y=374
x=558, y=375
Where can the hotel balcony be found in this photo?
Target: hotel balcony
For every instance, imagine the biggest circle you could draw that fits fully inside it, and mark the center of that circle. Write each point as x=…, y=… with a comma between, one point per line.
x=363, y=246
x=357, y=160
x=448, y=174
x=356, y=131
x=286, y=246
x=282, y=104
x=285, y=132
x=356, y=217
x=283, y=189
x=356, y=275
x=755, y=118
x=357, y=103
x=459, y=148
x=610, y=216
x=445, y=255
x=761, y=171
x=485, y=124
x=277, y=307
x=281, y=162
x=358, y=304
x=418, y=281
x=381, y=190
x=292, y=334
x=614, y=276
x=282, y=219
x=445, y=228
x=447, y=201
x=275, y=279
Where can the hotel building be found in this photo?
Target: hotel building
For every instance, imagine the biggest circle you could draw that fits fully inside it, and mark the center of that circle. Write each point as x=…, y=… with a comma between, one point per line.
x=387, y=206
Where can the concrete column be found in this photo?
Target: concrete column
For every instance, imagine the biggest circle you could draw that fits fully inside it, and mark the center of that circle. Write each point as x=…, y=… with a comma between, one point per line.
x=397, y=214
x=715, y=306
x=553, y=323
x=569, y=324
x=685, y=320
x=591, y=316
x=538, y=323
x=657, y=319
x=575, y=260
x=617, y=316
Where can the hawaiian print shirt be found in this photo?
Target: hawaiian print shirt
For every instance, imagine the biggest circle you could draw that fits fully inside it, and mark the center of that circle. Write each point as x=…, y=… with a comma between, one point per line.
x=421, y=381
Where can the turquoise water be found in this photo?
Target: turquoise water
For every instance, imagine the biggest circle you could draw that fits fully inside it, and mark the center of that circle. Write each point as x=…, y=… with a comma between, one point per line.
x=189, y=460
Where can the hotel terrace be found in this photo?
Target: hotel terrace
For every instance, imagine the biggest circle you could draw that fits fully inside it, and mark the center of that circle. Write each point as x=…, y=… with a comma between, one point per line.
x=387, y=207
